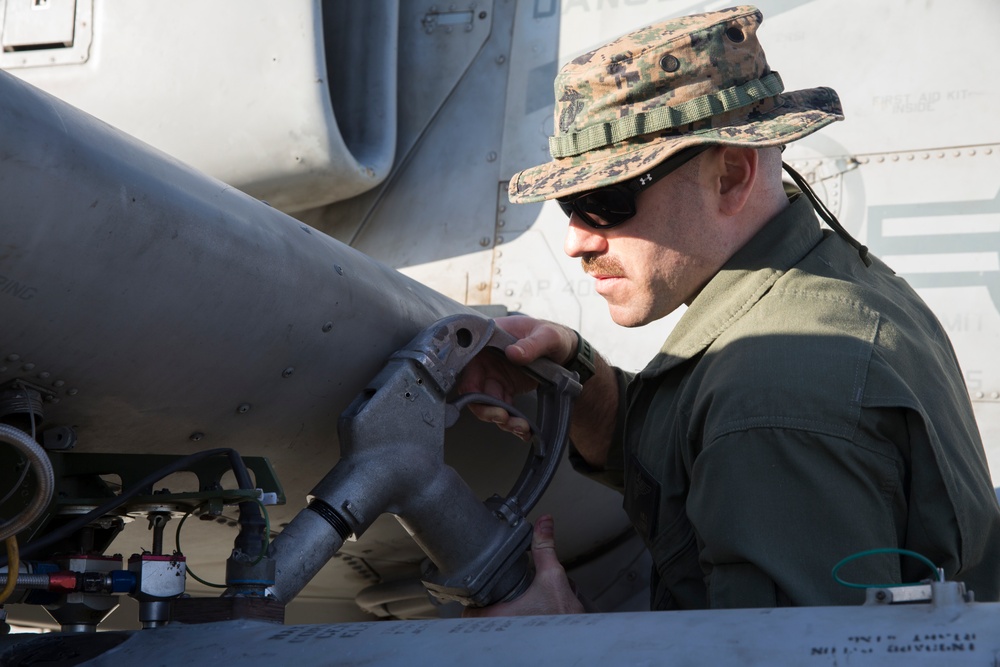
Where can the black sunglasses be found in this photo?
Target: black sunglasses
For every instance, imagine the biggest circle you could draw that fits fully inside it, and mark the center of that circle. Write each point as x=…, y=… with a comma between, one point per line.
x=614, y=204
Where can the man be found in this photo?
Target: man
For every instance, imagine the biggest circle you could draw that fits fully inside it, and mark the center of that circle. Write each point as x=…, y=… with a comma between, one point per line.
x=807, y=406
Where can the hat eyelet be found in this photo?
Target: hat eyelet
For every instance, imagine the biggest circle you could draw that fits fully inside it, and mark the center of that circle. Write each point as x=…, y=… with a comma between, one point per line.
x=735, y=35
x=669, y=63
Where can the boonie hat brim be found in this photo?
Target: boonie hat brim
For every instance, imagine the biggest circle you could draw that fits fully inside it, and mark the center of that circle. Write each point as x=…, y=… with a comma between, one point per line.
x=662, y=68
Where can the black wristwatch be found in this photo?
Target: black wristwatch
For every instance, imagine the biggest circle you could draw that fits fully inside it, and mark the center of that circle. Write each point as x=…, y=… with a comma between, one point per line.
x=583, y=363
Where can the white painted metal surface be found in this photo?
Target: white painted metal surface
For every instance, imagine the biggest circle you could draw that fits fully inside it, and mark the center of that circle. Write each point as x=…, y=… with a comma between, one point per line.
x=238, y=89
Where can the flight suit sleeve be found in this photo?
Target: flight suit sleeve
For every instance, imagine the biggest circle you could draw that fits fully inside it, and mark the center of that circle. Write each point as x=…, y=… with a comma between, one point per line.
x=613, y=472
x=775, y=509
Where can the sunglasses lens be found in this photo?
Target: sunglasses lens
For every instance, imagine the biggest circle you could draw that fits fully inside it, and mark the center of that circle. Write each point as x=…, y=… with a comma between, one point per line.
x=605, y=207
x=610, y=205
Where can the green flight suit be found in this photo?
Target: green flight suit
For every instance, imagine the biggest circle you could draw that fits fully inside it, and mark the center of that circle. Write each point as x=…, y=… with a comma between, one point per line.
x=805, y=408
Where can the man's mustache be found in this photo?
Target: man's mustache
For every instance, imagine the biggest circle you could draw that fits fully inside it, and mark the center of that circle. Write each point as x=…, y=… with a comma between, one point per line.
x=602, y=265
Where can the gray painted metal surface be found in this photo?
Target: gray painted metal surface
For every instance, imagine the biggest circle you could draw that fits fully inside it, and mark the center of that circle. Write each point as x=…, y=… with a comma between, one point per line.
x=949, y=632
x=228, y=319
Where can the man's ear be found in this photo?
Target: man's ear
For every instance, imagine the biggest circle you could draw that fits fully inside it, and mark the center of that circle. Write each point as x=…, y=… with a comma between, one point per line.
x=737, y=177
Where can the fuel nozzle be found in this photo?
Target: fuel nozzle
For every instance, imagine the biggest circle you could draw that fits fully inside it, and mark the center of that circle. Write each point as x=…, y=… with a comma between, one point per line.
x=392, y=460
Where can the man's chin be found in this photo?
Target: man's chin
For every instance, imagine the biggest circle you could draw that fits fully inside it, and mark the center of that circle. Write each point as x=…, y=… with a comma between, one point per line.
x=631, y=318
x=627, y=319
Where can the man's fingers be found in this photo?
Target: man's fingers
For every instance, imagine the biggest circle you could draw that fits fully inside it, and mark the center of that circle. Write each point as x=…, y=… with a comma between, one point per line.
x=504, y=420
x=543, y=544
x=497, y=389
x=503, y=380
x=550, y=591
x=545, y=340
x=489, y=413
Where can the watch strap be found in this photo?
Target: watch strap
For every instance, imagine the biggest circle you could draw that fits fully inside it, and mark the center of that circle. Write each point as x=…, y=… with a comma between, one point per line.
x=583, y=362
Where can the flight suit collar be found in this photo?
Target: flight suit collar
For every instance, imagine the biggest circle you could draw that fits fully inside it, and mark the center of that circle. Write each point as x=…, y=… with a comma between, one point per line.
x=741, y=283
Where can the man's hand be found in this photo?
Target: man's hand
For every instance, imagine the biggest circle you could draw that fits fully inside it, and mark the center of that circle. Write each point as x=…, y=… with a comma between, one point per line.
x=490, y=375
x=595, y=412
x=549, y=593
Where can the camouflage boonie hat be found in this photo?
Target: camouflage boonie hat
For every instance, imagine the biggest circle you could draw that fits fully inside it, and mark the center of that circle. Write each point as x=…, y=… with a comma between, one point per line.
x=702, y=79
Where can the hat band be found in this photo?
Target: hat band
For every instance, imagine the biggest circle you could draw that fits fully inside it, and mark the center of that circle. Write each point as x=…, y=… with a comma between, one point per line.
x=665, y=118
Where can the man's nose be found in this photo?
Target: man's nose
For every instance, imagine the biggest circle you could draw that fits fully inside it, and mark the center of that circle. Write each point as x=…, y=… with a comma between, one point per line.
x=581, y=239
